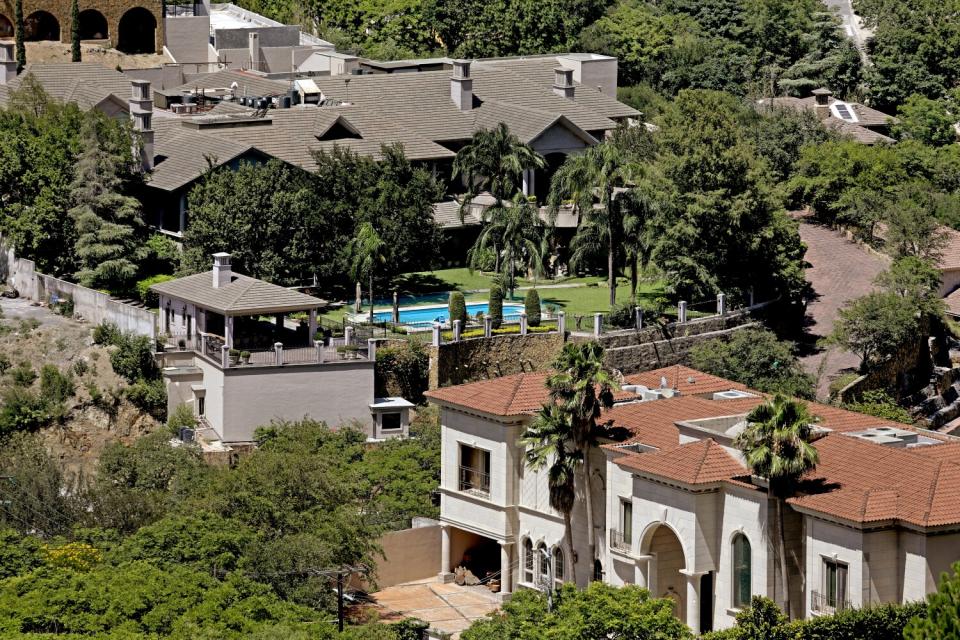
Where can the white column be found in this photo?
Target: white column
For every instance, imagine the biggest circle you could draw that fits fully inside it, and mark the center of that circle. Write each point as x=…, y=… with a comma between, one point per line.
x=445, y=569
x=278, y=350
x=523, y=323
x=693, y=602
x=487, y=326
x=225, y=356
x=506, y=572
x=371, y=349
x=312, y=326
x=436, y=334
x=638, y=317
x=529, y=182
x=228, y=329
x=642, y=571
x=348, y=335
x=721, y=304
x=561, y=322
x=597, y=324
x=456, y=331
x=682, y=312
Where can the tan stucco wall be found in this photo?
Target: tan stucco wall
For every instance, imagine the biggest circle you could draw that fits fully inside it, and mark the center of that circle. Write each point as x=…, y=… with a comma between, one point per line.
x=112, y=10
x=408, y=555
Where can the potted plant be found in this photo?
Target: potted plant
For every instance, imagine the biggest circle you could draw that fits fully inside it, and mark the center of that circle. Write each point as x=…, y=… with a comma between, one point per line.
x=182, y=344
x=245, y=357
x=347, y=351
x=234, y=357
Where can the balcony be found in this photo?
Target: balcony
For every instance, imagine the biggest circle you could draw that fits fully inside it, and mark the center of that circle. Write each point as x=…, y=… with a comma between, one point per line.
x=210, y=346
x=619, y=541
x=827, y=604
x=474, y=481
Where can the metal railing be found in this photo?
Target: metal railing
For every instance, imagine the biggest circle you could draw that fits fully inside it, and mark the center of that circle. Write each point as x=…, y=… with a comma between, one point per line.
x=621, y=541
x=824, y=603
x=474, y=481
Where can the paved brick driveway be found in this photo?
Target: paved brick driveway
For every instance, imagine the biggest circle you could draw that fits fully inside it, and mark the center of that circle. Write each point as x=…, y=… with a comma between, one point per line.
x=447, y=607
x=840, y=271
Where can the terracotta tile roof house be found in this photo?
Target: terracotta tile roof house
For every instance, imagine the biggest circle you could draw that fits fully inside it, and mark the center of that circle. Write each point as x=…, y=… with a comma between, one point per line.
x=850, y=119
x=875, y=521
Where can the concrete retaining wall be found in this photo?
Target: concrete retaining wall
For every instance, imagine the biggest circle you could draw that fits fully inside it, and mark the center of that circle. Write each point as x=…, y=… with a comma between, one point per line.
x=93, y=306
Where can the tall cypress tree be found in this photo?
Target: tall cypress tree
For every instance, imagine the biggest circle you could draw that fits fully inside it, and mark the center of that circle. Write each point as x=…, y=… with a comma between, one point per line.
x=75, y=31
x=19, y=36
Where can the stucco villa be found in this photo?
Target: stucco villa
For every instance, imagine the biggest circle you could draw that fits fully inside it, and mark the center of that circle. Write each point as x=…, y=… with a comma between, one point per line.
x=243, y=352
x=678, y=512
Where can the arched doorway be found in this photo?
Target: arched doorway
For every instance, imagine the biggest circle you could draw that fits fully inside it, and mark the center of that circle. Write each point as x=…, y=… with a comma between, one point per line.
x=137, y=32
x=664, y=578
x=93, y=25
x=41, y=25
x=6, y=27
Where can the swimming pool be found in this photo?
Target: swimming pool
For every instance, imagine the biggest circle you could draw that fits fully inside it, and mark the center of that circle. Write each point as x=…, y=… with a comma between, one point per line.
x=424, y=316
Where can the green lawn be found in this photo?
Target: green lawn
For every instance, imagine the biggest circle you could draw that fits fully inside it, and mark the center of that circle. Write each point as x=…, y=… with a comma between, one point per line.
x=461, y=278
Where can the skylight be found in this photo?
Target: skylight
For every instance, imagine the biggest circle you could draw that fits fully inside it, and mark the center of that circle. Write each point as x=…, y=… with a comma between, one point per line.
x=844, y=111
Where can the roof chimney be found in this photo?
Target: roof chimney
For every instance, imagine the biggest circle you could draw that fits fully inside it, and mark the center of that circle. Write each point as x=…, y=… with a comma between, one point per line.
x=254, y=51
x=8, y=63
x=461, y=85
x=141, y=112
x=822, y=106
x=222, y=273
x=563, y=82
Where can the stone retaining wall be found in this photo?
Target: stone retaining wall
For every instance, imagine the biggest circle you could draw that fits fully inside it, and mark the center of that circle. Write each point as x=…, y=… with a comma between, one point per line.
x=481, y=358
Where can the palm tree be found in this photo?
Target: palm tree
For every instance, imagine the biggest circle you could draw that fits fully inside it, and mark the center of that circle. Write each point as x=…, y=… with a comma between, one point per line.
x=494, y=160
x=547, y=440
x=515, y=227
x=592, y=182
x=777, y=446
x=583, y=388
x=367, y=253
x=642, y=206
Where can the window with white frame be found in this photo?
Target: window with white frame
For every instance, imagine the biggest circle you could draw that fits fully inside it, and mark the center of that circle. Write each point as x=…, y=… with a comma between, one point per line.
x=543, y=565
x=528, y=561
x=741, y=571
x=474, y=470
x=558, y=568
x=834, y=585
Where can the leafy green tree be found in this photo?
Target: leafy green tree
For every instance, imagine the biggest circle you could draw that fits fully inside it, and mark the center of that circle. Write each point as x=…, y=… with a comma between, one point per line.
x=367, y=251
x=599, y=611
x=583, y=388
x=762, y=619
x=18, y=553
x=776, y=444
x=531, y=305
x=943, y=611
x=915, y=280
x=879, y=403
x=34, y=498
x=548, y=441
x=591, y=181
x=756, y=358
x=911, y=229
x=74, y=31
x=875, y=326
x=515, y=229
x=495, y=309
x=925, y=120
x=108, y=222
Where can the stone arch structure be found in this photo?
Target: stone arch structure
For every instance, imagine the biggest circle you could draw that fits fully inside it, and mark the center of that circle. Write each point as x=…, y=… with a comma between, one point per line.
x=6, y=27
x=136, y=31
x=93, y=25
x=112, y=10
x=40, y=25
x=665, y=579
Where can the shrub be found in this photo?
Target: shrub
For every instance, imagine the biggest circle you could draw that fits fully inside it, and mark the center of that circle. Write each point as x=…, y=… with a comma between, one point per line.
x=485, y=260
x=403, y=370
x=496, y=306
x=55, y=386
x=148, y=297
x=880, y=404
x=531, y=304
x=80, y=367
x=28, y=324
x=23, y=410
x=23, y=374
x=5, y=364
x=621, y=316
x=63, y=306
x=106, y=333
x=133, y=359
x=149, y=396
x=457, y=308
x=181, y=417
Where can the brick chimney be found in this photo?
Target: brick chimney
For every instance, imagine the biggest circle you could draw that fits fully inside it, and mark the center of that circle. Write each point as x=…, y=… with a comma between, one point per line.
x=8, y=63
x=141, y=113
x=222, y=273
x=822, y=106
x=254, y=51
x=563, y=82
x=461, y=85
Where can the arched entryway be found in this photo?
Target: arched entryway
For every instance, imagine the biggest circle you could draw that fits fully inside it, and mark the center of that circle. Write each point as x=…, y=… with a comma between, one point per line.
x=665, y=579
x=137, y=31
x=93, y=25
x=41, y=25
x=6, y=27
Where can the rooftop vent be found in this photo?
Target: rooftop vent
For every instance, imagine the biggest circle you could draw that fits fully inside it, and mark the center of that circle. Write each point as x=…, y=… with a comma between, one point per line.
x=733, y=394
x=822, y=102
x=461, y=85
x=647, y=394
x=893, y=437
x=563, y=82
x=222, y=273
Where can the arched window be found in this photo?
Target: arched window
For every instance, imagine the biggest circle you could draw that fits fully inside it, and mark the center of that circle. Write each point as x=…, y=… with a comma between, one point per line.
x=597, y=570
x=543, y=564
x=558, y=568
x=741, y=571
x=528, y=561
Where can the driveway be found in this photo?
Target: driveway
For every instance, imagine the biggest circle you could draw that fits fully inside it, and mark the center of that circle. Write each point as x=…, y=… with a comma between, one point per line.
x=840, y=271
x=447, y=607
x=852, y=24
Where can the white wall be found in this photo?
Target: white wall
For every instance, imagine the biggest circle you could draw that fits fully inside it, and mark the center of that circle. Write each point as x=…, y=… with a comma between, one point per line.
x=743, y=511
x=833, y=541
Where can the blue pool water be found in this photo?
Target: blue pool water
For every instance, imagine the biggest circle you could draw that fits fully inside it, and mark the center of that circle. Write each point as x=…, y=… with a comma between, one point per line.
x=426, y=315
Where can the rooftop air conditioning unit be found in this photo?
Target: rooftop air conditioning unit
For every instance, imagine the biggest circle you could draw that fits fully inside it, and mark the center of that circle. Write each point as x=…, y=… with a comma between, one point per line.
x=732, y=394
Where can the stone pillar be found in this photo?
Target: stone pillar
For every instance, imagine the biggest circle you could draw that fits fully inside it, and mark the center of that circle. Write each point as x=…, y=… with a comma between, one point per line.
x=436, y=335
x=487, y=326
x=203, y=343
x=278, y=350
x=682, y=312
x=721, y=304
x=228, y=330
x=693, y=602
x=312, y=326
x=319, y=347
x=371, y=349
x=638, y=317
x=561, y=322
x=225, y=357
x=446, y=572
x=348, y=335
x=506, y=571
x=642, y=571
x=523, y=323
x=529, y=182
x=597, y=324
x=456, y=331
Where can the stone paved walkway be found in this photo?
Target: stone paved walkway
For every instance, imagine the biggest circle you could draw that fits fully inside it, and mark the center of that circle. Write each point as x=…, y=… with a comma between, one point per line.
x=840, y=271
x=447, y=607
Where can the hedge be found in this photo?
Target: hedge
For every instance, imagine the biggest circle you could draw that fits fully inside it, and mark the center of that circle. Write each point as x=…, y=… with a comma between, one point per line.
x=495, y=309
x=531, y=304
x=457, y=307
